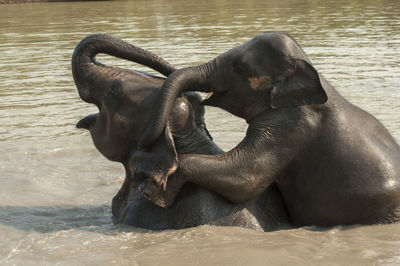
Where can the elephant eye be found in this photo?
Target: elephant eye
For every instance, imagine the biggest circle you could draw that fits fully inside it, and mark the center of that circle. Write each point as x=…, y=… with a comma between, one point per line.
x=113, y=98
x=115, y=92
x=240, y=68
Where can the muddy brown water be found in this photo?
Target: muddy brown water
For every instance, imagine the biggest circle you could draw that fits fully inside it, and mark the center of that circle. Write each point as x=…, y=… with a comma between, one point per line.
x=55, y=188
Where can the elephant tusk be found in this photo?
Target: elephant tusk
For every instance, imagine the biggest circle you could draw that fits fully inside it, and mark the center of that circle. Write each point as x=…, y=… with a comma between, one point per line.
x=210, y=95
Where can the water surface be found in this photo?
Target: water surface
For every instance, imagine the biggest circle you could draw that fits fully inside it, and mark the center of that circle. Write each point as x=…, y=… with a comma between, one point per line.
x=56, y=188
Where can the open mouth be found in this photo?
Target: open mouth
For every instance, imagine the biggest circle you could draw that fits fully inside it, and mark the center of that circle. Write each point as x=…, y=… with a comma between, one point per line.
x=88, y=121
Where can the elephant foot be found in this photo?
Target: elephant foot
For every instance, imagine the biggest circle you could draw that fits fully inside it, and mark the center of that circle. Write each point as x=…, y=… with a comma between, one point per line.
x=156, y=194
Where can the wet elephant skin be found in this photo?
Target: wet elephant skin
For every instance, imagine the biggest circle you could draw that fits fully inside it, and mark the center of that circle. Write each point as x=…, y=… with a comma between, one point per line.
x=125, y=99
x=332, y=162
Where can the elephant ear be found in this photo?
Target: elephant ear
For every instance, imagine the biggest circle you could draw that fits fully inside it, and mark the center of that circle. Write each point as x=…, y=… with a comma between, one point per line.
x=302, y=87
x=157, y=161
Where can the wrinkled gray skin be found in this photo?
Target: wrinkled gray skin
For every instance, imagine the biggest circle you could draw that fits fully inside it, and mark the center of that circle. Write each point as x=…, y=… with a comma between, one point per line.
x=332, y=162
x=125, y=99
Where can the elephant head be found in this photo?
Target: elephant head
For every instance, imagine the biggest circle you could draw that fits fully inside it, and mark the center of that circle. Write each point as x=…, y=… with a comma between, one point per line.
x=114, y=91
x=267, y=73
x=124, y=98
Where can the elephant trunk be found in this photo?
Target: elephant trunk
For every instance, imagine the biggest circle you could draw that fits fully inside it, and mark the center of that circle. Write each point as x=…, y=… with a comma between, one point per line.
x=186, y=79
x=87, y=72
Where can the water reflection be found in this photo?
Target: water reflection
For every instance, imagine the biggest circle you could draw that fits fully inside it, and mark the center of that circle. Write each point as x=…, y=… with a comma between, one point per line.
x=47, y=219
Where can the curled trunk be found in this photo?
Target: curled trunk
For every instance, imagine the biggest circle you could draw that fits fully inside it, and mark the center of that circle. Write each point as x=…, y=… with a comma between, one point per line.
x=186, y=79
x=87, y=71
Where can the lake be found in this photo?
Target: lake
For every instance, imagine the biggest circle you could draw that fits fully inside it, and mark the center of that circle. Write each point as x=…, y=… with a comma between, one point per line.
x=56, y=189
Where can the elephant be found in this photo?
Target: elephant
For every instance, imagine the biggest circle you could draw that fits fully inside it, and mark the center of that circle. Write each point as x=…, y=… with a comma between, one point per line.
x=332, y=162
x=125, y=99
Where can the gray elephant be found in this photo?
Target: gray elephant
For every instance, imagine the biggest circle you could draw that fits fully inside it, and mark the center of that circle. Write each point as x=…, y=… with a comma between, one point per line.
x=332, y=162
x=125, y=99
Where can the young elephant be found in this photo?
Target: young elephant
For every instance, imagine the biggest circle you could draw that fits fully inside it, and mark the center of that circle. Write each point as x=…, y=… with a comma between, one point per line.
x=125, y=100
x=332, y=162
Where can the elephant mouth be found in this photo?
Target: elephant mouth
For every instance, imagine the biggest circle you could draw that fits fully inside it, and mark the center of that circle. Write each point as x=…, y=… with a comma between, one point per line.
x=88, y=121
